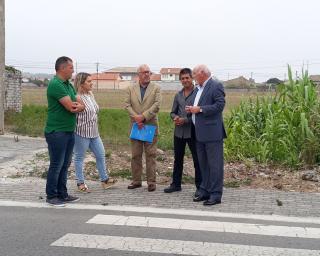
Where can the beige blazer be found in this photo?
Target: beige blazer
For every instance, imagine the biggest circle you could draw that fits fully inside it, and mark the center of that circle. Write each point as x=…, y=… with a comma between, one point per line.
x=148, y=107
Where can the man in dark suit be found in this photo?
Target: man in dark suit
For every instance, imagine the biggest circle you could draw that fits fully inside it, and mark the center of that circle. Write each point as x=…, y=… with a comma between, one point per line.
x=207, y=117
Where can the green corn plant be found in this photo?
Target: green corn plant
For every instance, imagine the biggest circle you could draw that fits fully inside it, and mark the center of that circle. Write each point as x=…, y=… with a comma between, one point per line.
x=283, y=128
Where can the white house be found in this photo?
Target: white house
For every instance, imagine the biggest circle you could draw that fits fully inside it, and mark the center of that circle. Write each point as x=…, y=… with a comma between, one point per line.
x=170, y=74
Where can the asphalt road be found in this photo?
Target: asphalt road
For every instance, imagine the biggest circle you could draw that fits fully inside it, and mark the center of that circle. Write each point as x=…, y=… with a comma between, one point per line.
x=50, y=231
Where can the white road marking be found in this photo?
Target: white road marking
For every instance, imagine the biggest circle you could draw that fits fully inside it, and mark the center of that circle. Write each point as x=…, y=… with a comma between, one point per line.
x=174, y=247
x=186, y=212
x=200, y=225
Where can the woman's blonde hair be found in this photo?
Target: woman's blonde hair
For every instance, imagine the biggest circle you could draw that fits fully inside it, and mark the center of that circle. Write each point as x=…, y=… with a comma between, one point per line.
x=79, y=80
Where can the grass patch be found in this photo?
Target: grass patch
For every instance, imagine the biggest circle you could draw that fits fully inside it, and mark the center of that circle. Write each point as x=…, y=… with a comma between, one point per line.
x=122, y=173
x=161, y=158
x=237, y=183
x=168, y=173
x=113, y=125
x=15, y=176
x=113, y=99
x=30, y=121
x=42, y=156
x=108, y=153
x=186, y=179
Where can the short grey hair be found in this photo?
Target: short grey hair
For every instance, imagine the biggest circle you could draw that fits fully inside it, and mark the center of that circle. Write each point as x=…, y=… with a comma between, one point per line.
x=203, y=68
x=143, y=66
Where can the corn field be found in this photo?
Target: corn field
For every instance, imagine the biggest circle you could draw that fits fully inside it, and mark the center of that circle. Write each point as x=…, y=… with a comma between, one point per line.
x=283, y=128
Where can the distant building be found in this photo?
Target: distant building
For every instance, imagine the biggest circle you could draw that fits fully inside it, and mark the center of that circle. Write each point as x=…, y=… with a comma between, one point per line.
x=118, y=78
x=240, y=83
x=125, y=73
x=315, y=79
x=170, y=74
x=155, y=77
x=106, y=80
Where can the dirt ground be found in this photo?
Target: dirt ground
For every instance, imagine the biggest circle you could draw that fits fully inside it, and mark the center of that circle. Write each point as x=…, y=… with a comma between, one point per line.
x=237, y=175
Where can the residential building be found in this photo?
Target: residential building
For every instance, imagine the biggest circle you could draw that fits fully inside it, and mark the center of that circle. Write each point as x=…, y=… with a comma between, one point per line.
x=240, y=83
x=125, y=73
x=315, y=79
x=170, y=74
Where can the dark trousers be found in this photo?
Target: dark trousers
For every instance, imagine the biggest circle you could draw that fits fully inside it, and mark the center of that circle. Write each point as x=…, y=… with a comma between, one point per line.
x=211, y=164
x=179, y=151
x=60, y=147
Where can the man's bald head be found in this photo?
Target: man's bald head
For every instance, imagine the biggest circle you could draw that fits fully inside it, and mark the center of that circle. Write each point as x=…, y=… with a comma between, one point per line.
x=201, y=73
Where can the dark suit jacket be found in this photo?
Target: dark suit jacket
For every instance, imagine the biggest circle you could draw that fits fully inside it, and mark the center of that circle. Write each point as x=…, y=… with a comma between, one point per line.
x=209, y=125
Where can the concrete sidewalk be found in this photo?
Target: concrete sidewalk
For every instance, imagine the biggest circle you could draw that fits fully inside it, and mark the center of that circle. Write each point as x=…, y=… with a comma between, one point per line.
x=234, y=200
x=249, y=201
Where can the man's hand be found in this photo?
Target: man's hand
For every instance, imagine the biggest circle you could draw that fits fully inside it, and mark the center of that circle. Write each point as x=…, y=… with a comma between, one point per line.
x=192, y=109
x=77, y=107
x=138, y=118
x=140, y=125
x=178, y=120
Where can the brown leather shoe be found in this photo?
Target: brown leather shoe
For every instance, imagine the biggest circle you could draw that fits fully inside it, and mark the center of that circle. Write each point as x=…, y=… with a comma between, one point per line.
x=133, y=186
x=151, y=187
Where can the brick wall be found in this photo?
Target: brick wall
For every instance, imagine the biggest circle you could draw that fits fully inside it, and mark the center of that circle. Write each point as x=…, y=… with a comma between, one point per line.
x=12, y=91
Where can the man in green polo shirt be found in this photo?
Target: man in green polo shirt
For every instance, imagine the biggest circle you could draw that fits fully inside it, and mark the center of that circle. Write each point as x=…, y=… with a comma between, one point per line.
x=63, y=103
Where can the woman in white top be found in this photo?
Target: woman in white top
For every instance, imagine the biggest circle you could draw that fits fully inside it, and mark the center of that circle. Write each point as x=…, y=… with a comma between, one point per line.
x=87, y=134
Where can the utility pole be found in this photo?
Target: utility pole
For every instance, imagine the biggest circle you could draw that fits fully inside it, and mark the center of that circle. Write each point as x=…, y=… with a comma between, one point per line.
x=2, y=64
x=97, y=65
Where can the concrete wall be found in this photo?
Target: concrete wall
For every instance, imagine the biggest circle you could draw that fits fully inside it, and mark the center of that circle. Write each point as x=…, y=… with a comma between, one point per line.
x=12, y=91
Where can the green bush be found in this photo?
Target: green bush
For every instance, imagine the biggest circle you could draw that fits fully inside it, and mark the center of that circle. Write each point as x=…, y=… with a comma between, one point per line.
x=283, y=128
x=30, y=121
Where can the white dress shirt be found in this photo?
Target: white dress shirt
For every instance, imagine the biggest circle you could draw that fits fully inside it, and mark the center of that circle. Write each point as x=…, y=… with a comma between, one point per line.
x=197, y=98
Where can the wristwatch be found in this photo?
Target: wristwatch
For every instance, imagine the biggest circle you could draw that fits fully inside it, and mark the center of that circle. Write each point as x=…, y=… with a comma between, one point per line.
x=200, y=110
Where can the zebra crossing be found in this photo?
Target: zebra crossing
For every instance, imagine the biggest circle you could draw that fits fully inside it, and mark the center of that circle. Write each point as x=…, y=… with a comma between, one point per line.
x=152, y=231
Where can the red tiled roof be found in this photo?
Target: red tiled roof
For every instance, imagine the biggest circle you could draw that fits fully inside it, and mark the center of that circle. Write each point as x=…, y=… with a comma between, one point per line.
x=170, y=71
x=122, y=70
x=105, y=76
x=155, y=77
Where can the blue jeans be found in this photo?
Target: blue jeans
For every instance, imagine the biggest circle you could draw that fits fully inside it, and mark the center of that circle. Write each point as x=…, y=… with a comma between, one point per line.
x=80, y=148
x=60, y=146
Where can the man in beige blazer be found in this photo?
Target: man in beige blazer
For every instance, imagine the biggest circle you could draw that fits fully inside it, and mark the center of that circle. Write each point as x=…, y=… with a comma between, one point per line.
x=142, y=103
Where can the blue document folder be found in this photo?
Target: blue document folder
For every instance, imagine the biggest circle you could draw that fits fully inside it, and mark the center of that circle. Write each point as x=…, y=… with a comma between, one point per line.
x=144, y=134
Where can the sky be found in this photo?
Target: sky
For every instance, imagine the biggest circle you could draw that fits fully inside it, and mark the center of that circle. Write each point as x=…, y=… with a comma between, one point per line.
x=253, y=38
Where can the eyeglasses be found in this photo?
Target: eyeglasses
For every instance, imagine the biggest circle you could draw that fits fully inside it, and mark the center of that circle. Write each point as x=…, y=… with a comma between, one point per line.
x=145, y=72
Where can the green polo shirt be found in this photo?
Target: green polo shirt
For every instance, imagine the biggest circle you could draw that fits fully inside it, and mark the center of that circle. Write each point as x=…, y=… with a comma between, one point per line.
x=59, y=119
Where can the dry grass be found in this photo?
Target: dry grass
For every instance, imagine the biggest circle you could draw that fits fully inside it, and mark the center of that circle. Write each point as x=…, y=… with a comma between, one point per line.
x=115, y=98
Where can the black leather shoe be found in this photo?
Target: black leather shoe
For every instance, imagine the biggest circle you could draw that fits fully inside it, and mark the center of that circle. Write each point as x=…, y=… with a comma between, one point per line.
x=133, y=186
x=197, y=193
x=171, y=189
x=211, y=202
x=200, y=198
x=152, y=187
